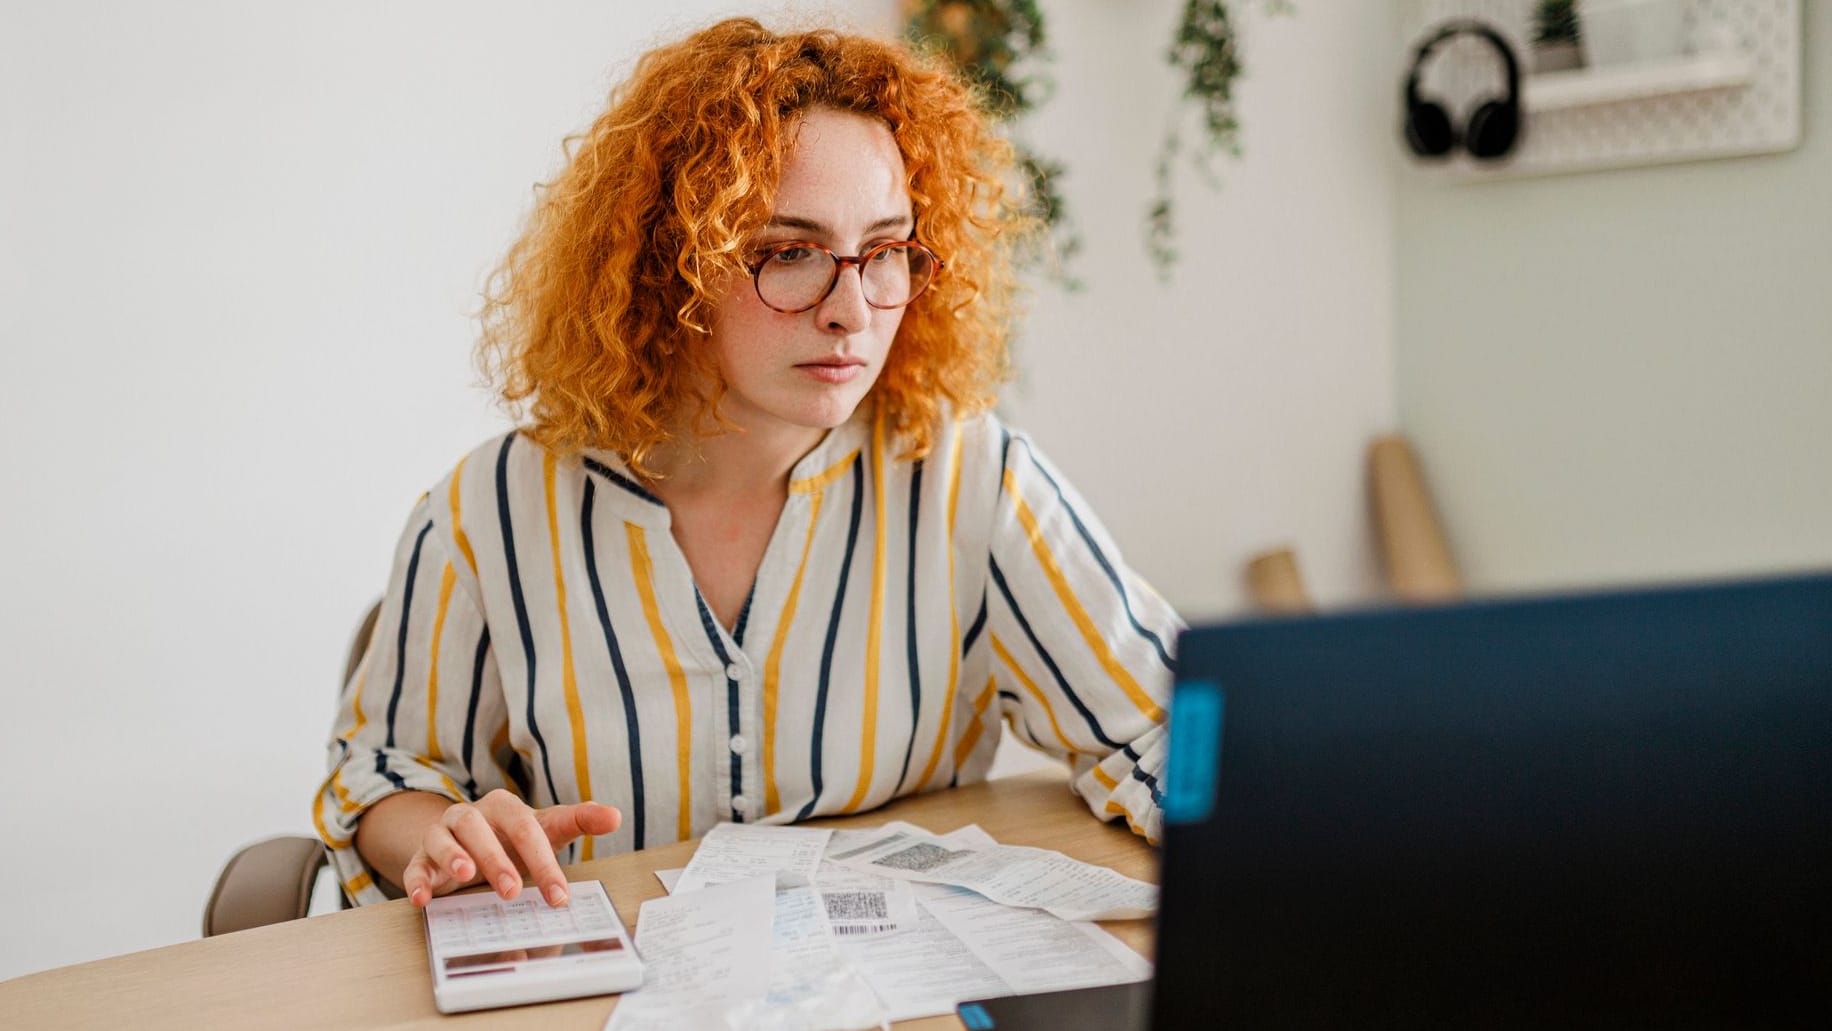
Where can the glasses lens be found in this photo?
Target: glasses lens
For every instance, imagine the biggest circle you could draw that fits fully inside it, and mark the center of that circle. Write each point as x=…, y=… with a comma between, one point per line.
x=895, y=273
x=794, y=278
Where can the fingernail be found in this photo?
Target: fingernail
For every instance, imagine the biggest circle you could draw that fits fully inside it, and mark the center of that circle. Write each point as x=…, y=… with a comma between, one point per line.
x=556, y=896
x=506, y=885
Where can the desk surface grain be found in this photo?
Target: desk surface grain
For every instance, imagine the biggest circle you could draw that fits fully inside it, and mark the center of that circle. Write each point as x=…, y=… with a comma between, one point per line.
x=367, y=968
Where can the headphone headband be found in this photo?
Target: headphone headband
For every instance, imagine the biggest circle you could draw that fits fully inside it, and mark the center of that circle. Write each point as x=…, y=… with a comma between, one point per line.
x=1451, y=30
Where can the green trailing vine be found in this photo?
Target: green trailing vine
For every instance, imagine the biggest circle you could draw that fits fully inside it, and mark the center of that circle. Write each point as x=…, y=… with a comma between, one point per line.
x=999, y=45
x=1205, y=50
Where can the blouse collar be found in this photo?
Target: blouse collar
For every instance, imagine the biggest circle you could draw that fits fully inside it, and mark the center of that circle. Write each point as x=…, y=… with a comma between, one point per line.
x=624, y=493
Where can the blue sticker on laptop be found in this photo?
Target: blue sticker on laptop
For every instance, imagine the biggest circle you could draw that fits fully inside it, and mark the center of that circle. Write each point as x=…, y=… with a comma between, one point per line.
x=1195, y=751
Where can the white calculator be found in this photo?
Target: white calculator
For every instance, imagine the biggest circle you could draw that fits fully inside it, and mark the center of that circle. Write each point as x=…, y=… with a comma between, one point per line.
x=487, y=952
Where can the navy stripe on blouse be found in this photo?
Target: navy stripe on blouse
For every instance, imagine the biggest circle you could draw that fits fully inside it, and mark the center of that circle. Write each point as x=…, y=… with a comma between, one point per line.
x=623, y=481
x=521, y=603
x=381, y=767
x=400, y=645
x=973, y=632
x=1150, y=782
x=628, y=693
x=833, y=635
x=909, y=747
x=470, y=710
x=1100, y=558
x=998, y=577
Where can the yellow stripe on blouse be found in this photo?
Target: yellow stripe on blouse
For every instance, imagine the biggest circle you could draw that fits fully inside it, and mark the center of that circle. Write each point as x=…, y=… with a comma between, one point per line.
x=954, y=627
x=677, y=677
x=1031, y=687
x=1076, y=610
x=977, y=727
x=772, y=667
x=498, y=745
x=575, y=714
x=818, y=482
x=458, y=535
x=447, y=577
x=344, y=802
x=324, y=833
x=874, y=624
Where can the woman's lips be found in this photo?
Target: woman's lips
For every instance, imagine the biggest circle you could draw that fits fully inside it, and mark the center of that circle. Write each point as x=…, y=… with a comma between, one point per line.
x=842, y=371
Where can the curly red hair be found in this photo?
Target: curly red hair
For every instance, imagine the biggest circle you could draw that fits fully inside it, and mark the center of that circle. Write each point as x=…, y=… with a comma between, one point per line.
x=593, y=325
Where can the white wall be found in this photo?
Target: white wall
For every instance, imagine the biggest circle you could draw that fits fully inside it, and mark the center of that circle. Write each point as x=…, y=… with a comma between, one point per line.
x=1227, y=413
x=239, y=245
x=1623, y=376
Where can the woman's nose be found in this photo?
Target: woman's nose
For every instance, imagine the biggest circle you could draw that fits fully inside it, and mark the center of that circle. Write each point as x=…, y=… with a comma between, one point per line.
x=844, y=309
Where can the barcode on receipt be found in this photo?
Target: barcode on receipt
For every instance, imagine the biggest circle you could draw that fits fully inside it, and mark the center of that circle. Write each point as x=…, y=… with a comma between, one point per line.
x=920, y=857
x=856, y=905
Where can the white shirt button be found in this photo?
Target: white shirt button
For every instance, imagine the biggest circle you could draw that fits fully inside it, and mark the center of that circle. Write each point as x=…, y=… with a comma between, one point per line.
x=740, y=745
x=733, y=671
x=742, y=804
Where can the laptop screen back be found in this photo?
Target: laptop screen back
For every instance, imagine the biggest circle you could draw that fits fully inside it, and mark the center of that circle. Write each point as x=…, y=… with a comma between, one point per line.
x=1603, y=809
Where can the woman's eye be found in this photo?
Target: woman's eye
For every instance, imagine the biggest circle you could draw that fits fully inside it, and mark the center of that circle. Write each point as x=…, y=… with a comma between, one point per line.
x=791, y=255
x=893, y=250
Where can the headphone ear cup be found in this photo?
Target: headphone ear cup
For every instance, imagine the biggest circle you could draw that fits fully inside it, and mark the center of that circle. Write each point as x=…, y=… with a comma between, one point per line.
x=1492, y=130
x=1428, y=130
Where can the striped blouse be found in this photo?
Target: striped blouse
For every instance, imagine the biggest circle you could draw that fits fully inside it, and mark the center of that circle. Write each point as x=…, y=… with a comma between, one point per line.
x=541, y=632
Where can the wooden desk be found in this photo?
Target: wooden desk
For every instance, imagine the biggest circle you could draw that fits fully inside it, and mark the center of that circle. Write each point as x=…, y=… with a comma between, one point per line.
x=366, y=968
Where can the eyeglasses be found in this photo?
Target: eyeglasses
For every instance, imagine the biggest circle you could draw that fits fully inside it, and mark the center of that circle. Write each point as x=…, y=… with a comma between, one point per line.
x=795, y=276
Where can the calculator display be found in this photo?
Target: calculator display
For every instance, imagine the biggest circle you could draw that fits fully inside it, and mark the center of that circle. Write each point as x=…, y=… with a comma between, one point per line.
x=506, y=960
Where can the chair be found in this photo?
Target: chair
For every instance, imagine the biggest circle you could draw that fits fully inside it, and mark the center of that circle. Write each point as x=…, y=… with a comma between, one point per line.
x=271, y=881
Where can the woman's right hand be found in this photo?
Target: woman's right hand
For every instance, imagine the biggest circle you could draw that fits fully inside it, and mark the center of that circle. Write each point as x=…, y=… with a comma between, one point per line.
x=496, y=839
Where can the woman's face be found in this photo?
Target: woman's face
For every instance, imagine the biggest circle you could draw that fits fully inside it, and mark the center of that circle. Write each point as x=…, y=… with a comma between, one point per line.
x=843, y=188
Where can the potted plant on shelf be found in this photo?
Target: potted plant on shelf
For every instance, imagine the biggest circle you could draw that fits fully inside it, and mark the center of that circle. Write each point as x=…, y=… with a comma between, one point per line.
x=1558, y=41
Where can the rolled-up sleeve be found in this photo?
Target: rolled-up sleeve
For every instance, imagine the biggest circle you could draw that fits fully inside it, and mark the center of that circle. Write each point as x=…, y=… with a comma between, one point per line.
x=424, y=709
x=1080, y=642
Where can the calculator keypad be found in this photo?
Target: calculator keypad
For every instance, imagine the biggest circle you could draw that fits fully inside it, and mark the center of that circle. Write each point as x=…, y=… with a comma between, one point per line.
x=489, y=922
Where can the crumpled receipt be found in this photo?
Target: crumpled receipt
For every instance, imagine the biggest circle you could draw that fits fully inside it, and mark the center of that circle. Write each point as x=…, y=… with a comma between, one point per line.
x=1013, y=875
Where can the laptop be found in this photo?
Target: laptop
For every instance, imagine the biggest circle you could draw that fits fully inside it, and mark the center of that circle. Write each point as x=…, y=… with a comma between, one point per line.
x=1609, y=809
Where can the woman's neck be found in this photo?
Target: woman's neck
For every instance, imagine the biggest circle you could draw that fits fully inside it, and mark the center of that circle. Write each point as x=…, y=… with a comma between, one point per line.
x=735, y=464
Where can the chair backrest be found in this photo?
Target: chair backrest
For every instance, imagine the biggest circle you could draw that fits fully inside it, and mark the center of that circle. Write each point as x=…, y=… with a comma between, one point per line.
x=359, y=646
x=270, y=881
x=264, y=883
x=360, y=643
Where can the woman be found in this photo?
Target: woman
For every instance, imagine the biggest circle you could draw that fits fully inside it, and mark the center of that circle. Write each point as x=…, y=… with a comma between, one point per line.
x=758, y=552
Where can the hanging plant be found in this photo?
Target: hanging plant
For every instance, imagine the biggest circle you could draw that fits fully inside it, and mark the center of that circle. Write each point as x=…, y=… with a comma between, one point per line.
x=1205, y=50
x=999, y=46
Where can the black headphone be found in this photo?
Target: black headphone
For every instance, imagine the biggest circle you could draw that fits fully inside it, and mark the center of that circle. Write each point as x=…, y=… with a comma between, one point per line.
x=1494, y=126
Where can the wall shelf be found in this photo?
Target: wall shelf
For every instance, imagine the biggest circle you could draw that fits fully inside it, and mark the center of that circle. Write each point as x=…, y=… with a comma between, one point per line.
x=1737, y=93
x=1585, y=87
